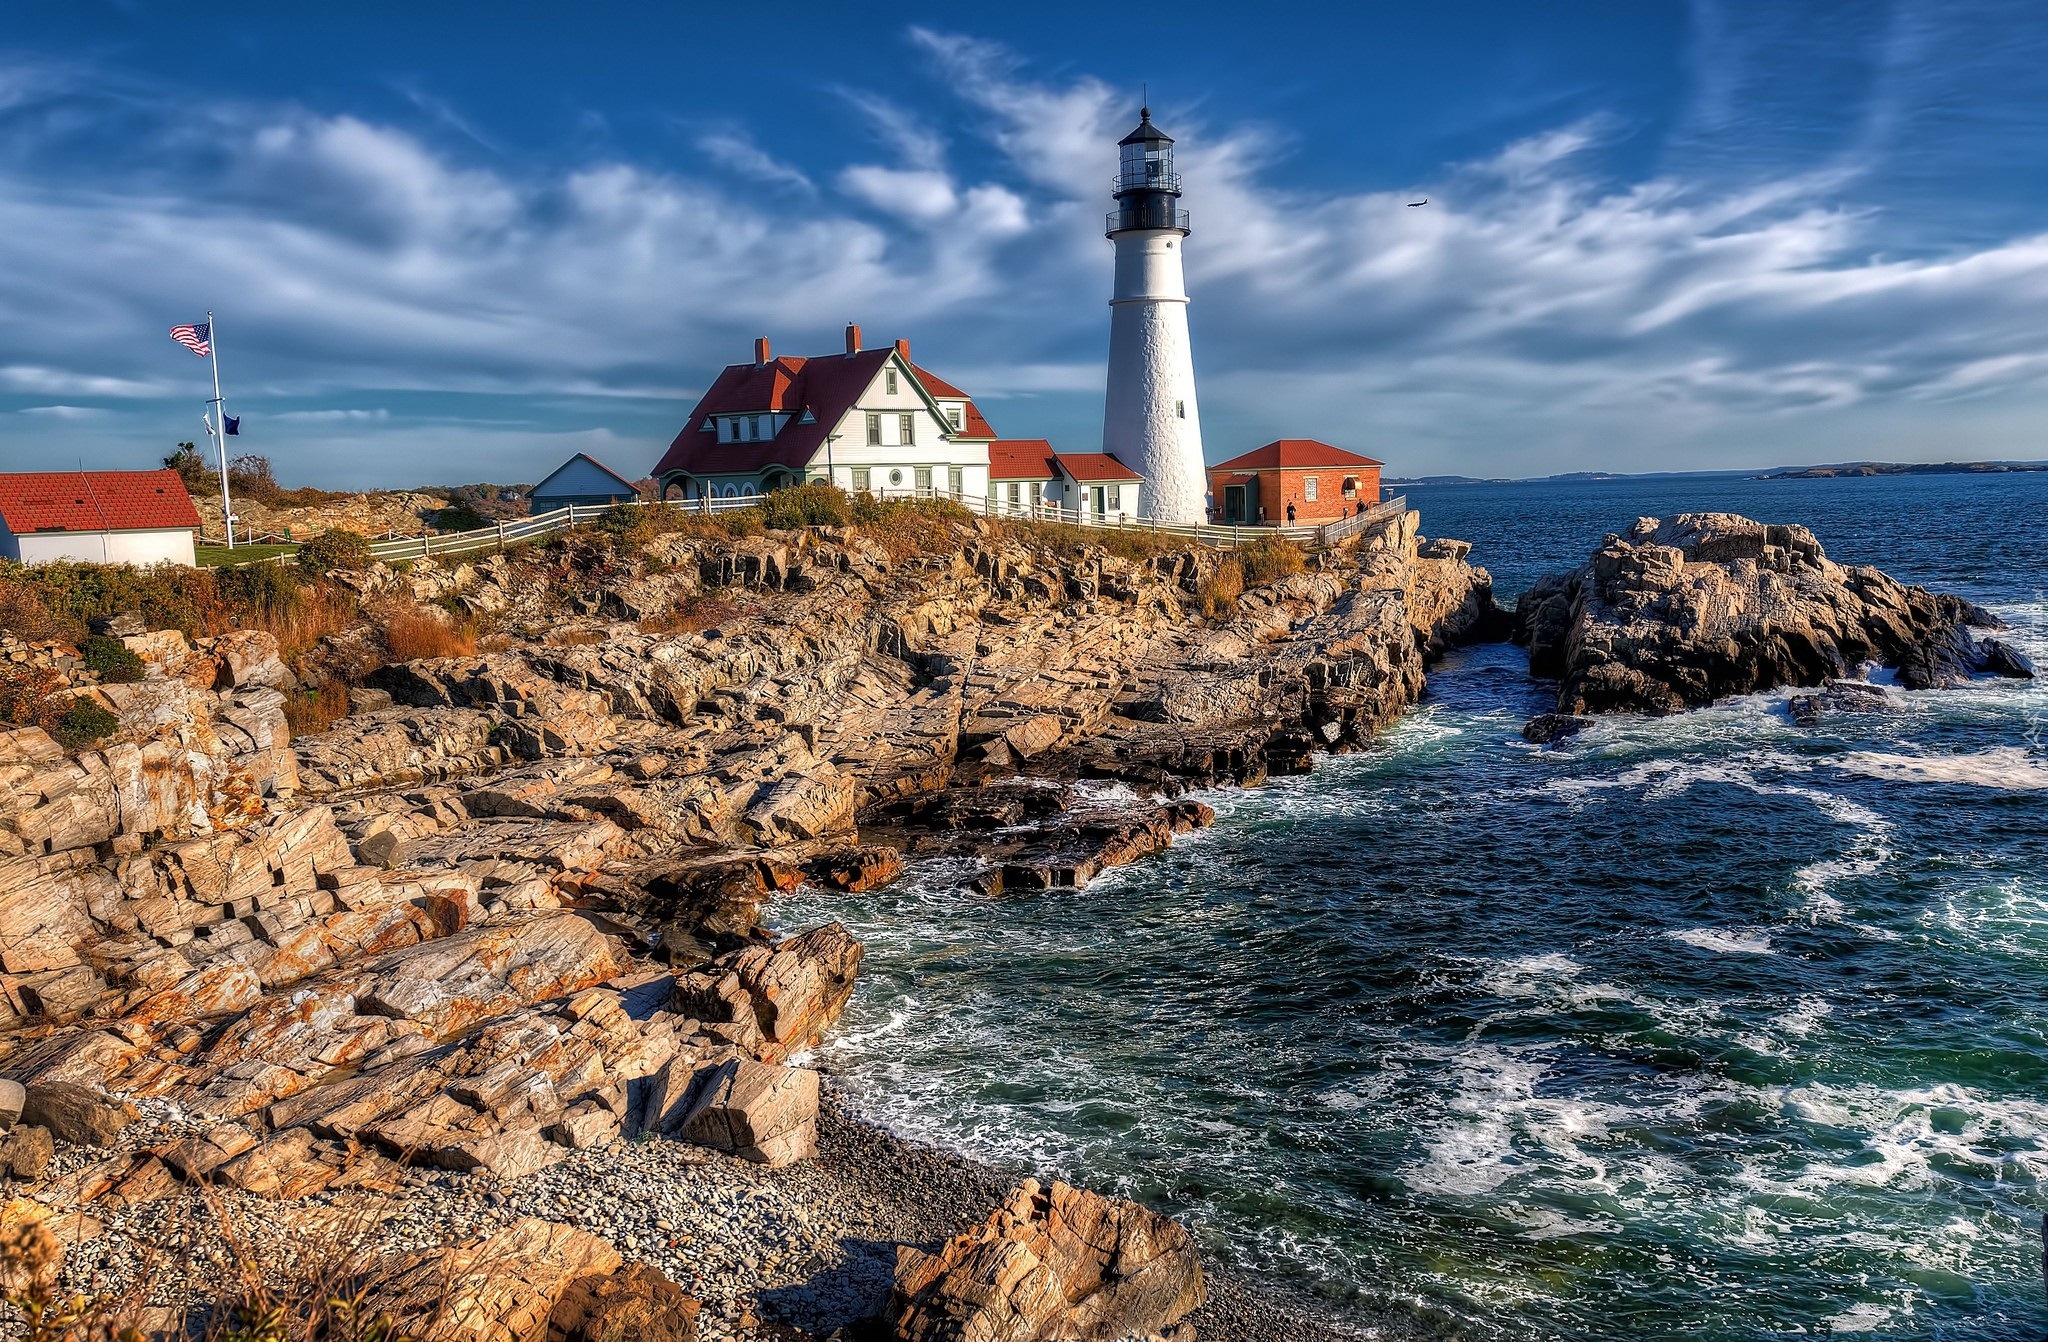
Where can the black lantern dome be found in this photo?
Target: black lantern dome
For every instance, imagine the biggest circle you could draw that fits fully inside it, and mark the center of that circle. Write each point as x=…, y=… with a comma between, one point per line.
x=1147, y=187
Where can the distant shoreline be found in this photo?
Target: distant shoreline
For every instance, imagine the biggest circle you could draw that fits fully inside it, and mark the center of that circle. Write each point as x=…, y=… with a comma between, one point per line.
x=1851, y=470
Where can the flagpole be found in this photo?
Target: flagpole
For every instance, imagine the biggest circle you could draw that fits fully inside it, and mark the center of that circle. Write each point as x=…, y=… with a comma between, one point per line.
x=220, y=428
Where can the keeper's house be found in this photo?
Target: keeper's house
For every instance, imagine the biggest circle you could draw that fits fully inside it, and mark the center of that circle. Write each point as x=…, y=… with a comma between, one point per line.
x=1320, y=482
x=97, y=517
x=864, y=419
x=1026, y=476
x=583, y=480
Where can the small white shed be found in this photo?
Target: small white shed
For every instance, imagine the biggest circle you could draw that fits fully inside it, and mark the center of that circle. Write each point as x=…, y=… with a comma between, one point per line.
x=97, y=517
x=583, y=480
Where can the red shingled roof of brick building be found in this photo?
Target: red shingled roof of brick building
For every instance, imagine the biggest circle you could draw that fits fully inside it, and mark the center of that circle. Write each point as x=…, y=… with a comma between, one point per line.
x=32, y=501
x=1286, y=453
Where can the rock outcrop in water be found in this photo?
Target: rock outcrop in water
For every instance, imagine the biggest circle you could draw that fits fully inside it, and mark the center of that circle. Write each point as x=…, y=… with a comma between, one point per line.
x=1678, y=613
x=509, y=913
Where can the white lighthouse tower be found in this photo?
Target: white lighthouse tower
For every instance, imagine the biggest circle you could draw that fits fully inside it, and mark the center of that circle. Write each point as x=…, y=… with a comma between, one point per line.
x=1149, y=418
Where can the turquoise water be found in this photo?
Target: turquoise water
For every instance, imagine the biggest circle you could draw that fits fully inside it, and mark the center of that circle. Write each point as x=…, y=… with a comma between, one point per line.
x=1706, y=1026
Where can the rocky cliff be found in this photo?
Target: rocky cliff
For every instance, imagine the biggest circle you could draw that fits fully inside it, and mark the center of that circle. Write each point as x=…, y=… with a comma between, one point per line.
x=509, y=911
x=1677, y=613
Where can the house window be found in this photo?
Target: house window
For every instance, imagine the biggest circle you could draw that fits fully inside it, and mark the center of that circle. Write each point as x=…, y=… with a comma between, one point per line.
x=1350, y=486
x=956, y=480
x=896, y=477
x=924, y=481
x=953, y=416
x=1037, y=493
x=906, y=425
x=1116, y=496
x=874, y=429
x=890, y=379
x=1016, y=493
x=860, y=479
x=1308, y=488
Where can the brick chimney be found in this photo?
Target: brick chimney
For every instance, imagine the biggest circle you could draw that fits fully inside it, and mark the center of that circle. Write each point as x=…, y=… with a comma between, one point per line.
x=903, y=348
x=761, y=352
x=852, y=340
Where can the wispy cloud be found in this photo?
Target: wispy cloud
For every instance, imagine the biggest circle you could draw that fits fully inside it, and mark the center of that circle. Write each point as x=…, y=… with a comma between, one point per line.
x=332, y=416
x=64, y=411
x=734, y=151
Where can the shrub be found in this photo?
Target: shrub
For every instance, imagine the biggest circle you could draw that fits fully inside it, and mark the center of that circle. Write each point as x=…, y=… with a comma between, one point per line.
x=459, y=516
x=335, y=549
x=1268, y=559
x=261, y=591
x=818, y=505
x=26, y=693
x=167, y=596
x=82, y=723
x=907, y=528
x=111, y=659
x=191, y=468
x=413, y=634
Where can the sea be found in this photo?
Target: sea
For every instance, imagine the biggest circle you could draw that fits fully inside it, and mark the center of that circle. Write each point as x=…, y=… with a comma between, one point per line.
x=1707, y=1026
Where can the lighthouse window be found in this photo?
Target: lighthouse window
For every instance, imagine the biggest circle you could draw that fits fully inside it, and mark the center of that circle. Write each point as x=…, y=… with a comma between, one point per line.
x=753, y=428
x=874, y=429
x=1181, y=408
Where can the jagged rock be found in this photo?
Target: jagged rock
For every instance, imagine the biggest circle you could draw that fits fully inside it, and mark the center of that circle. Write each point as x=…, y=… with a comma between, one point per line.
x=1681, y=612
x=500, y=1288
x=1839, y=696
x=27, y=1152
x=122, y=625
x=634, y=1304
x=75, y=1114
x=773, y=1001
x=1549, y=728
x=2003, y=659
x=765, y=1114
x=13, y=1095
x=1054, y=1265
x=856, y=870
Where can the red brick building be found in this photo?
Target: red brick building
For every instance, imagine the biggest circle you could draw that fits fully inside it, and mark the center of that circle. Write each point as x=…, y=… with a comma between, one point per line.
x=1321, y=482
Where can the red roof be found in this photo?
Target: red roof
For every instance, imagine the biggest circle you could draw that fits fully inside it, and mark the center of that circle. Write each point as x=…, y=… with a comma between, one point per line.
x=1020, y=459
x=827, y=386
x=95, y=501
x=1095, y=466
x=1293, y=452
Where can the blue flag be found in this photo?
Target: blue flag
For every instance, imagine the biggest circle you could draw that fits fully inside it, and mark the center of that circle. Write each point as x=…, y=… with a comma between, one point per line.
x=234, y=423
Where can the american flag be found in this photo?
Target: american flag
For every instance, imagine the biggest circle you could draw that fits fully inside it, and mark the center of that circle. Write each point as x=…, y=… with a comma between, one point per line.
x=194, y=338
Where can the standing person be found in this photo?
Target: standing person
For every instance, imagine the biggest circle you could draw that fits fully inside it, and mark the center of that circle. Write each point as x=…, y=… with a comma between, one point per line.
x=1361, y=507
x=1290, y=512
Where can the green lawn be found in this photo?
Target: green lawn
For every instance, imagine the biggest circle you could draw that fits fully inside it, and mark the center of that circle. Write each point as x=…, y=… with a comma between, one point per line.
x=213, y=556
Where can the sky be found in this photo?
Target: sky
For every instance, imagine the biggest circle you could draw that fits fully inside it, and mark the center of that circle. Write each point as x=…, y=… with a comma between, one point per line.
x=453, y=243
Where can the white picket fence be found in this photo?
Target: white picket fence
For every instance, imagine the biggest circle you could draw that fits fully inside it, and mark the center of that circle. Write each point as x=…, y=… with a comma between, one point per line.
x=500, y=535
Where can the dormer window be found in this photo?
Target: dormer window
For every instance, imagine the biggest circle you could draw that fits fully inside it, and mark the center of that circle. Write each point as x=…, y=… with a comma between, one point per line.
x=953, y=416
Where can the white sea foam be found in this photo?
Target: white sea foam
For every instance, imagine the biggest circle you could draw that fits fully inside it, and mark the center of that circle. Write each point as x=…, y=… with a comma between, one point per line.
x=2010, y=768
x=1725, y=940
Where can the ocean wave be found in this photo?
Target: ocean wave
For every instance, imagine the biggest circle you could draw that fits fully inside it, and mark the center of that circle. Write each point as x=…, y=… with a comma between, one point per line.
x=1725, y=940
x=2009, y=768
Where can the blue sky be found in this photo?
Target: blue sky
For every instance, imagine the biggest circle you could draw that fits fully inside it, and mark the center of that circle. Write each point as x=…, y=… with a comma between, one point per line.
x=451, y=243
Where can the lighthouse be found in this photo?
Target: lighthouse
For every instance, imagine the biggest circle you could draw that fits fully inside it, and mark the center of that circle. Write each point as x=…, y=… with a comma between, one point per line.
x=1149, y=418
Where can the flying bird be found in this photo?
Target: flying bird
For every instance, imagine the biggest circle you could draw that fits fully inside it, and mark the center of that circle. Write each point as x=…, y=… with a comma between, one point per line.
x=1413, y=203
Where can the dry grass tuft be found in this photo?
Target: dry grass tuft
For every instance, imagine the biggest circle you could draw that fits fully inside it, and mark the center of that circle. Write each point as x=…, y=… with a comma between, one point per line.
x=316, y=708
x=1219, y=590
x=1269, y=559
x=412, y=635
